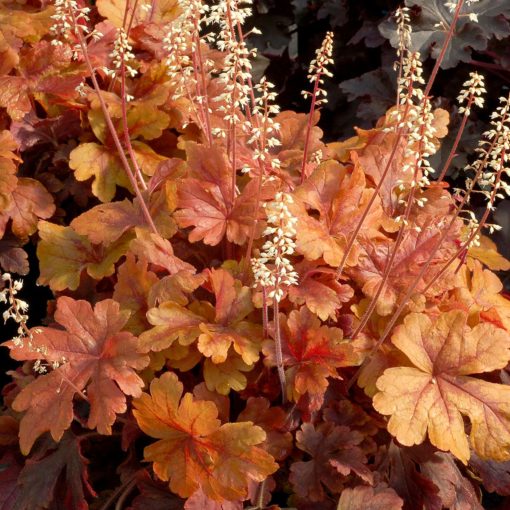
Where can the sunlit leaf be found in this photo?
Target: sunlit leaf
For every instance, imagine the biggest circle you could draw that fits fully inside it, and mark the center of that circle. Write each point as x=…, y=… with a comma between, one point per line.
x=94, y=355
x=194, y=451
x=435, y=394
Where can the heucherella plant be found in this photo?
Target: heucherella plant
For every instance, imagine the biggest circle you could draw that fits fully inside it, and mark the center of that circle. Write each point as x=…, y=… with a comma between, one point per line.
x=243, y=315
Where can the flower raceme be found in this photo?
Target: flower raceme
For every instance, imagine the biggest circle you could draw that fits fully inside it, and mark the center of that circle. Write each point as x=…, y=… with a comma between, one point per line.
x=273, y=269
x=244, y=314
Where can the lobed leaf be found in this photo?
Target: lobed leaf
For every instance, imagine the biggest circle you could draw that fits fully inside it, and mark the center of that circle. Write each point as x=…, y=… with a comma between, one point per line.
x=435, y=393
x=94, y=355
x=194, y=451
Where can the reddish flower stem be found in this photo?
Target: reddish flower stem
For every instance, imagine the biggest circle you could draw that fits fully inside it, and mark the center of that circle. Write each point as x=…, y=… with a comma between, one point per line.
x=424, y=268
x=278, y=350
x=204, y=96
x=446, y=43
x=474, y=234
x=125, y=128
x=453, y=152
x=309, y=126
x=113, y=131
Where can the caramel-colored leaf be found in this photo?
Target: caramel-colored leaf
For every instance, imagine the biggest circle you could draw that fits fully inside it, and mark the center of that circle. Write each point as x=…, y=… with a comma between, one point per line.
x=341, y=199
x=63, y=255
x=158, y=251
x=226, y=376
x=91, y=160
x=134, y=282
x=105, y=223
x=435, y=394
x=322, y=296
x=335, y=453
x=94, y=355
x=30, y=201
x=164, y=11
x=194, y=451
x=8, y=161
x=487, y=253
x=311, y=354
x=206, y=201
x=274, y=422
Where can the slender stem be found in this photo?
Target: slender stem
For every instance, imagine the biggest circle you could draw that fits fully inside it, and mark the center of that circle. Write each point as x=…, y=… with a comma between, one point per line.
x=453, y=152
x=476, y=232
x=388, y=267
x=232, y=121
x=354, y=235
x=278, y=350
x=265, y=315
x=113, y=132
x=260, y=497
x=154, y=6
x=129, y=483
x=309, y=126
x=125, y=493
x=446, y=43
x=425, y=266
x=488, y=65
x=204, y=95
x=125, y=128
x=425, y=95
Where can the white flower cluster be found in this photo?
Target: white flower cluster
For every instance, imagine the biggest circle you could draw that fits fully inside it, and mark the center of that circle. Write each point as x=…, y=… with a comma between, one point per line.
x=70, y=23
x=404, y=30
x=273, y=269
x=472, y=93
x=180, y=45
x=18, y=312
x=452, y=4
x=262, y=127
x=122, y=54
x=236, y=71
x=491, y=165
x=499, y=155
x=415, y=117
x=318, y=68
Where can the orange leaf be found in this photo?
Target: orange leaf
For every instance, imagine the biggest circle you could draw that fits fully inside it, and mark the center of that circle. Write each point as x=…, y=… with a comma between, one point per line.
x=205, y=200
x=233, y=304
x=172, y=322
x=487, y=253
x=226, y=376
x=311, y=354
x=340, y=198
x=217, y=330
x=194, y=451
x=63, y=255
x=91, y=160
x=274, y=421
x=158, y=251
x=412, y=254
x=134, y=283
x=29, y=201
x=8, y=178
x=374, y=158
x=322, y=296
x=105, y=223
x=95, y=356
x=436, y=392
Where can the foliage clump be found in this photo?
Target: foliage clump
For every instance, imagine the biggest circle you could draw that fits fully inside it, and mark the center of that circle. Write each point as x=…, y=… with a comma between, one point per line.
x=244, y=315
